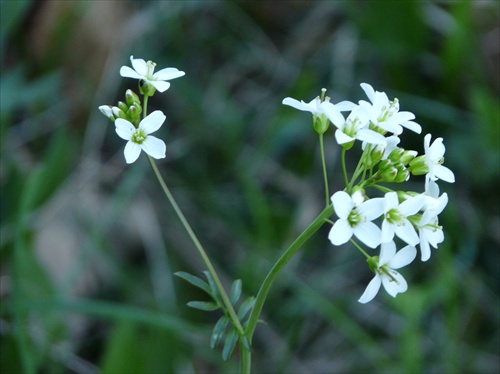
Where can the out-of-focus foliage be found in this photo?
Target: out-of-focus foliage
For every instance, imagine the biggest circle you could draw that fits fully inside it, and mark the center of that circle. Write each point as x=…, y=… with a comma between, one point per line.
x=89, y=246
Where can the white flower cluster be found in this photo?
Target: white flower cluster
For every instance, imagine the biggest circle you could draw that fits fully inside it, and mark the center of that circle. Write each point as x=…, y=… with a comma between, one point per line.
x=126, y=115
x=412, y=217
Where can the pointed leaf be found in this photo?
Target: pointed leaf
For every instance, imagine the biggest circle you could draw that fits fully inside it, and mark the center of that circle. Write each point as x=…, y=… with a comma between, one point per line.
x=195, y=281
x=219, y=329
x=231, y=340
x=203, y=305
x=246, y=343
x=246, y=307
x=235, y=291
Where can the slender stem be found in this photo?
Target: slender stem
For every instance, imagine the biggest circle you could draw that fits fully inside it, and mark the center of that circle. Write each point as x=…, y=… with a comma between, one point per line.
x=199, y=247
x=245, y=360
x=344, y=169
x=145, y=107
x=280, y=264
x=360, y=249
x=323, y=162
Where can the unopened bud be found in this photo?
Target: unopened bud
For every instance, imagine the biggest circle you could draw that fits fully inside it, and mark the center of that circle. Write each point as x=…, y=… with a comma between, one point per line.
x=146, y=88
x=418, y=166
x=122, y=106
x=320, y=123
x=407, y=157
x=107, y=111
x=403, y=174
x=396, y=154
x=384, y=165
x=131, y=98
x=389, y=174
x=118, y=113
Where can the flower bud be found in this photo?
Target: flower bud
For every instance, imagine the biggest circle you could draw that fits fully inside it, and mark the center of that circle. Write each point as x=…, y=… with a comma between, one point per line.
x=134, y=114
x=384, y=165
x=403, y=174
x=407, y=157
x=320, y=123
x=376, y=154
x=418, y=166
x=131, y=98
x=107, y=111
x=146, y=88
x=396, y=154
x=118, y=113
x=358, y=195
x=389, y=174
x=122, y=106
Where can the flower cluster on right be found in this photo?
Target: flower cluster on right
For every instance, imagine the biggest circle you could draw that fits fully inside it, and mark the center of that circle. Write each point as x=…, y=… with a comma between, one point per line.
x=410, y=216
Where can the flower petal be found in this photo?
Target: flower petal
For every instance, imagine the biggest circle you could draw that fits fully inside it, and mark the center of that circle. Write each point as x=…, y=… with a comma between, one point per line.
x=152, y=122
x=333, y=114
x=396, y=284
x=443, y=173
x=127, y=72
x=132, y=152
x=299, y=105
x=371, y=290
x=369, y=91
x=139, y=66
x=342, y=204
x=407, y=232
x=388, y=231
x=413, y=126
x=340, y=233
x=343, y=138
x=424, y=246
x=368, y=233
x=345, y=106
x=387, y=253
x=154, y=147
x=167, y=74
x=124, y=128
x=372, y=208
x=161, y=86
x=412, y=205
x=404, y=257
x=370, y=136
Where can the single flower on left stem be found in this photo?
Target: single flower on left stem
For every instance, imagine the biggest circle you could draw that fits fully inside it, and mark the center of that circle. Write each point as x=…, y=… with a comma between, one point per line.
x=140, y=139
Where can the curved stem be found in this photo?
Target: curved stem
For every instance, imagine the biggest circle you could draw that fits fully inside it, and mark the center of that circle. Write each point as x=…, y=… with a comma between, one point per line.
x=323, y=162
x=279, y=265
x=199, y=247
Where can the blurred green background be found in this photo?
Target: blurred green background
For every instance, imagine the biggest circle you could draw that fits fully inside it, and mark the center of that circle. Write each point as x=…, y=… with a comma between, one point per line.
x=89, y=245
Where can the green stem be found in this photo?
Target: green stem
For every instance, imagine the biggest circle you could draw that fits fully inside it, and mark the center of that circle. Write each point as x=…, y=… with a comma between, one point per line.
x=360, y=249
x=344, y=169
x=245, y=360
x=145, y=107
x=199, y=247
x=323, y=162
x=279, y=265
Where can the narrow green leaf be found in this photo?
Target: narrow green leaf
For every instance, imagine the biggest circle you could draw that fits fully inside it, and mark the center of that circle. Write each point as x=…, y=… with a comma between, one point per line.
x=213, y=287
x=235, y=291
x=219, y=329
x=203, y=305
x=246, y=307
x=195, y=281
x=246, y=343
x=231, y=340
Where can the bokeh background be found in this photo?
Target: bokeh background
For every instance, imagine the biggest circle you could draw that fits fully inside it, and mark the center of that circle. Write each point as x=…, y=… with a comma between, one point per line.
x=89, y=245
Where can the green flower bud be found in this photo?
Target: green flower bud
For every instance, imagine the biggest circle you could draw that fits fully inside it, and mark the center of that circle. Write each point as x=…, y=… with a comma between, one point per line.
x=107, y=111
x=122, y=106
x=134, y=114
x=118, y=113
x=376, y=154
x=131, y=98
x=407, y=157
x=146, y=88
x=384, y=165
x=402, y=175
x=395, y=155
x=348, y=146
x=320, y=123
x=389, y=174
x=418, y=166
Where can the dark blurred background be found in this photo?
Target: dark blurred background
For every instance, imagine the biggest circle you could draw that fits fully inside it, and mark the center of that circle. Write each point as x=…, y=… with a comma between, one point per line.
x=89, y=245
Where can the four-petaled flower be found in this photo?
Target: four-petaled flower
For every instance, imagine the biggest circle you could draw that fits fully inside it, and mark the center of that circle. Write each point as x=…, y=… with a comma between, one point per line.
x=145, y=71
x=395, y=218
x=385, y=271
x=355, y=220
x=385, y=114
x=139, y=138
x=434, y=158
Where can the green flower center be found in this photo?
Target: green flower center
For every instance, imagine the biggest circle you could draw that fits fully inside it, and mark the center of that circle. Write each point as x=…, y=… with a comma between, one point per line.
x=139, y=136
x=394, y=216
x=151, y=68
x=388, y=112
x=355, y=218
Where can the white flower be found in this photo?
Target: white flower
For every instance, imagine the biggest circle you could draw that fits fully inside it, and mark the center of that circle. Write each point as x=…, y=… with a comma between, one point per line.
x=352, y=128
x=428, y=227
x=139, y=138
x=144, y=70
x=355, y=220
x=395, y=218
x=385, y=114
x=434, y=158
x=314, y=106
x=385, y=272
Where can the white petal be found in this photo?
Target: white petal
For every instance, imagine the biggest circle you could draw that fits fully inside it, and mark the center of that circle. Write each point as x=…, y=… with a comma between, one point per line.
x=371, y=290
x=161, y=86
x=139, y=65
x=396, y=285
x=299, y=105
x=403, y=116
x=333, y=114
x=106, y=110
x=387, y=231
x=404, y=257
x=127, y=72
x=437, y=149
x=368, y=233
x=369, y=91
x=152, y=122
x=370, y=136
x=387, y=253
x=412, y=205
x=340, y=233
x=167, y=74
x=434, y=237
x=154, y=147
x=132, y=152
x=407, y=232
x=372, y=209
x=342, y=204
x=424, y=247
x=391, y=201
x=345, y=106
x=413, y=126
x=124, y=128
x=343, y=138
x=443, y=173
